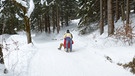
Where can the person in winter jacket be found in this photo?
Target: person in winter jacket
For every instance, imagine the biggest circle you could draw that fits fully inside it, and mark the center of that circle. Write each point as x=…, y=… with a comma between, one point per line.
x=68, y=36
x=64, y=44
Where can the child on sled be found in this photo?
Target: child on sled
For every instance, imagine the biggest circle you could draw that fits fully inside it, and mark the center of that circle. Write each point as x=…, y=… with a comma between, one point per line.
x=67, y=41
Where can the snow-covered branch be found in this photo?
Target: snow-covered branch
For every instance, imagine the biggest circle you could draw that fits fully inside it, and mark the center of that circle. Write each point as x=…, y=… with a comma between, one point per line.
x=29, y=5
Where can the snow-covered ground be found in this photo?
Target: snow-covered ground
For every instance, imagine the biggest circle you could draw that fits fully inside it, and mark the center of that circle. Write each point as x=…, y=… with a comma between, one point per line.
x=87, y=59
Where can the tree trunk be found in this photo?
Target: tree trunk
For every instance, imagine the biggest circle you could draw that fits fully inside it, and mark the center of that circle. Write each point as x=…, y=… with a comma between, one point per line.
x=57, y=19
x=105, y=11
x=40, y=25
x=53, y=18
x=110, y=19
x=123, y=10
x=117, y=10
x=127, y=12
x=48, y=21
x=1, y=55
x=66, y=18
x=1, y=26
x=134, y=6
x=101, y=25
x=28, y=33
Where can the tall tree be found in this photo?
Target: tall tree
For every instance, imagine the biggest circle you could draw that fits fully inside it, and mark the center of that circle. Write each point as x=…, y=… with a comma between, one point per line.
x=127, y=12
x=110, y=18
x=89, y=12
x=134, y=5
x=57, y=18
x=68, y=10
x=123, y=9
x=1, y=55
x=36, y=17
x=53, y=18
x=105, y=11
x=117, y=11
x=8, y=17
x=26, y=20
x=101, y=24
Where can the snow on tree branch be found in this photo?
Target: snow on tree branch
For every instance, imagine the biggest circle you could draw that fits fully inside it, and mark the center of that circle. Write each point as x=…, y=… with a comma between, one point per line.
x=42, y=1
x=23, y=3
x=29, y=4
x=31, y=8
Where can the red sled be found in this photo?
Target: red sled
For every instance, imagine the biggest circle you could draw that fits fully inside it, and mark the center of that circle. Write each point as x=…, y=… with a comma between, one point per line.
x=68, y=43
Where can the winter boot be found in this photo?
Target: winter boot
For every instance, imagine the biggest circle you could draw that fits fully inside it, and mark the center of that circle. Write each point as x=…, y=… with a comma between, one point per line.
x=59, y=48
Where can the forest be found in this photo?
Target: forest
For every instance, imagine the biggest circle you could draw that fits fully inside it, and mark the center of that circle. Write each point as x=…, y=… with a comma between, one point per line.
x=103, y=42
x=52, y=15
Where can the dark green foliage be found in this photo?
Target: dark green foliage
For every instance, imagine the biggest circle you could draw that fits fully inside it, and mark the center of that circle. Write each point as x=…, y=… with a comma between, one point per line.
x=35, y=16
x=54, y=13
x=68, y=10
x=64, y=10
x=89, y=12
x=9, y=17
x=49, y=1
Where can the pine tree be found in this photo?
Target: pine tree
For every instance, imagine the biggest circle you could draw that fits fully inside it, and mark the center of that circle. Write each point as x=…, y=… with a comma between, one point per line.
x=9, y=20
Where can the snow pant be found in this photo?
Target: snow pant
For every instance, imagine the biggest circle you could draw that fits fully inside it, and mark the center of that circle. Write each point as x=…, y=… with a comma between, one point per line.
x=68, y=40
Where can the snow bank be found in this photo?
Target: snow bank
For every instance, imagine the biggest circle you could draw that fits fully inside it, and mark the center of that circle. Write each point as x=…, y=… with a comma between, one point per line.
x=17, y=55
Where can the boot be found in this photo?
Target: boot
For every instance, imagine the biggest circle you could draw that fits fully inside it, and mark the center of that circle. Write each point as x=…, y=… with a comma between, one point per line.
x=59, y=48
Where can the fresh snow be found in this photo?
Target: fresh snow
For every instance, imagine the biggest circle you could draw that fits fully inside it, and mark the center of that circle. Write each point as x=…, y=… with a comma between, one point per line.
x=42, y=58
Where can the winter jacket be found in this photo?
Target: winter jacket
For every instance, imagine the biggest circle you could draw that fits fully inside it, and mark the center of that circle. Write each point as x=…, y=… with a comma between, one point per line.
x=68, y=35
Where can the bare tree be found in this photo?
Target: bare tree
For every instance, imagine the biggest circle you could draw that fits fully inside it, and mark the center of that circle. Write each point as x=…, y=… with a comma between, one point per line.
x=57, y=18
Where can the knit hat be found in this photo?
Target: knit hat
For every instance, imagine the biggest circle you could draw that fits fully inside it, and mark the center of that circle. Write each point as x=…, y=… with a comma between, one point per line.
x=68, y=31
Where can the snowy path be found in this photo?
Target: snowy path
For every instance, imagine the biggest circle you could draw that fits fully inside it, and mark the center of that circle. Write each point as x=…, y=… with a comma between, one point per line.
x=49, y=61
x=55, y=62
